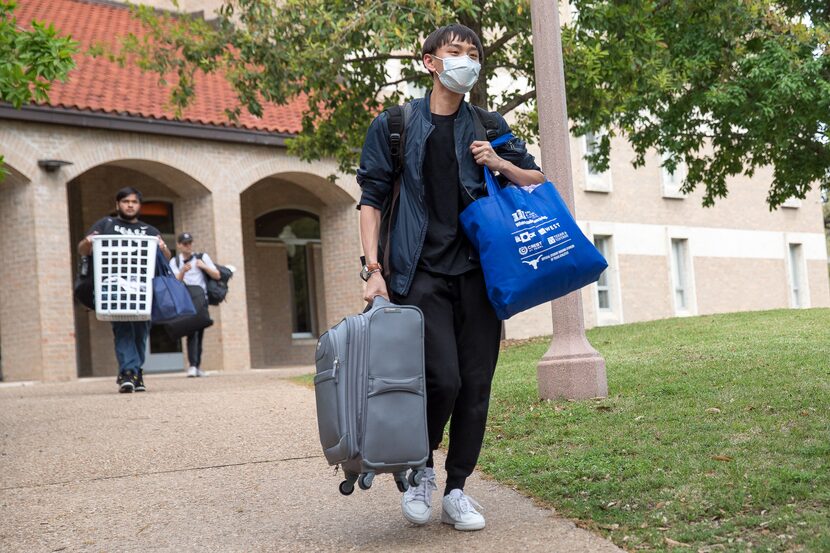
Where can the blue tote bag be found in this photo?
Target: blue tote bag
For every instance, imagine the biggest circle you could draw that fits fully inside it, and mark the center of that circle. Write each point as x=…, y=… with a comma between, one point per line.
x=171, y=300
x=530, y=247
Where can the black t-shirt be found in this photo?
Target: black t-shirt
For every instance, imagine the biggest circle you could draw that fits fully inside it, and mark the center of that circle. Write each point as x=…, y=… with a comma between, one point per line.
x=117, y=225
x=446, y=248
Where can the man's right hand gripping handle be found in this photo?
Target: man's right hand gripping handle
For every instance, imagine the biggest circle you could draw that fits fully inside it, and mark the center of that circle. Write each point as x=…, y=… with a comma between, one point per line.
x=369, y=234
x=375, y=286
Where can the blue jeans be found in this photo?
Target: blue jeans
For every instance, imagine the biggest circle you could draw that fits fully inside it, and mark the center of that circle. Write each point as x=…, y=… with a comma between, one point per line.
x=130, y=344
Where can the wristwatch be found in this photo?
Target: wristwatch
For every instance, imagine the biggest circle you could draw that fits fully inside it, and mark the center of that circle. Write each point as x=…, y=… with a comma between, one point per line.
x=367, y=270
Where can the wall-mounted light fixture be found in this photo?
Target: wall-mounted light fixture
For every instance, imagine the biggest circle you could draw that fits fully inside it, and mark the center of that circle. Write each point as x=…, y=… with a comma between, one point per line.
x=52, y=165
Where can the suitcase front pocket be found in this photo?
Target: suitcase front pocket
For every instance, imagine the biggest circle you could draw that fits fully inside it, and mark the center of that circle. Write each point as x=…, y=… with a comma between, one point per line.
x=395, y=431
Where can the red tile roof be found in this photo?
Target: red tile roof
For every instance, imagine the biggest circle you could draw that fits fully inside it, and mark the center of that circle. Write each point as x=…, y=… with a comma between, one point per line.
x=99, y=85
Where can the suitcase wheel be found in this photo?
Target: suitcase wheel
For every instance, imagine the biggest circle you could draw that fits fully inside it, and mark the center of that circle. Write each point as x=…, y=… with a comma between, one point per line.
x=403, y=485
x=364, y=481
x=415, y=477
x=346, y=487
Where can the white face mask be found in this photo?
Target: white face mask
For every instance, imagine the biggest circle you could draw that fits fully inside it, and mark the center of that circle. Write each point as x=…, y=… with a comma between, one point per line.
x=460, y=73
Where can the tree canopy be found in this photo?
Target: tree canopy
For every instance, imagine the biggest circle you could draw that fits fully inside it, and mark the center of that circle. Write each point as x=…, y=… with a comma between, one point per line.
x=724, y=86
x=30, y=59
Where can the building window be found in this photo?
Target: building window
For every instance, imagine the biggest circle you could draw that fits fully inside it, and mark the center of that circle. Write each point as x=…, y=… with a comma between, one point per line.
x=798, y=292
x=673, y=180
x=680, y=275
x=792, y=203
x=595, y=180
x=602, y=244
x=299, y=231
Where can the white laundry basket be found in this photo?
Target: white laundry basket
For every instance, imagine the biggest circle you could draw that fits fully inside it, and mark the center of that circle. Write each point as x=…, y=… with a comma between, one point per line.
x=124, y=271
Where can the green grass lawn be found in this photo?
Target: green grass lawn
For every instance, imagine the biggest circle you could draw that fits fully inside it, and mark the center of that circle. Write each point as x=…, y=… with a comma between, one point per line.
x=715, y=434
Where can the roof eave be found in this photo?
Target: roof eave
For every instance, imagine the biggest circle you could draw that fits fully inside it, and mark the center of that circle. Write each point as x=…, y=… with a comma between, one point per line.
x=130, y=123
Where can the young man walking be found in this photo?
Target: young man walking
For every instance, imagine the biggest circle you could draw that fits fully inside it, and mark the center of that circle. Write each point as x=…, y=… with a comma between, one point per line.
x=130, y=337
x=193, y=270
x=432, y=264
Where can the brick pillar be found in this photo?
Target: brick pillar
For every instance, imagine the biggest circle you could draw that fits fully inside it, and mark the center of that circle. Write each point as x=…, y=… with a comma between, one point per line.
x=36, y=313
x=19, y=313
x=194, y=214
x=339, y=233
x=233, y=330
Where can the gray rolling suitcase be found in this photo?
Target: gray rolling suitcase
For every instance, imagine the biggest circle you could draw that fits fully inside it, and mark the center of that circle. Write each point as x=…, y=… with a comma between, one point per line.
x=371, y=395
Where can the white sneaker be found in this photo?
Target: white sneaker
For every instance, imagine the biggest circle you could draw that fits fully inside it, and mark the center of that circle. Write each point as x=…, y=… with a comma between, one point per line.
x=460, y=511
x=416, y=502
x=192, y=371
x=200, y=372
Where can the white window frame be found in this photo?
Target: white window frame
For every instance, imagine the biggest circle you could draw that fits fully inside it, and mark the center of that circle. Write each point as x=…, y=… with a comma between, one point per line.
x=792, y=203
x=614, y=314
x=797, y=272
x=671, y=189
x=595, y=182
x=690, y=290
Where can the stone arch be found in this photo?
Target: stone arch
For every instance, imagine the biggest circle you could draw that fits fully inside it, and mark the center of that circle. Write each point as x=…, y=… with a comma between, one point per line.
x=91, y=186
x=280, y=184
x=311, y=177
x=20, y=156
x=133, y=151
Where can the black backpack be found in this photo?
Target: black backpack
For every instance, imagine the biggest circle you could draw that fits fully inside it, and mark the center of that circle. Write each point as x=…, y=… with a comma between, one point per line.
x=487, y=128
x=217, y=289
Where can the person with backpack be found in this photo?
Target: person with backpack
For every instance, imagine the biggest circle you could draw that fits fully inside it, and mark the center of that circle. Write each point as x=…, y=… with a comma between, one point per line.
x=130, y=336
x=193, y=269
x=420, y=166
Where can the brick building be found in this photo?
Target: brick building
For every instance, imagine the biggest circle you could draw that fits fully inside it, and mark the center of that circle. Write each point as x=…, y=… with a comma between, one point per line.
x=292, y=233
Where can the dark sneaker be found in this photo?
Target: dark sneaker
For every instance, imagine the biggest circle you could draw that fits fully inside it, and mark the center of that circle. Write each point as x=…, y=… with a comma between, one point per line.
x=127, y=382
x=139, y=382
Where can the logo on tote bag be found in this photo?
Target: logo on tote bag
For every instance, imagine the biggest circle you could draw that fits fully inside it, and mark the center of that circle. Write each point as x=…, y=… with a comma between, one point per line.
x=522, y=217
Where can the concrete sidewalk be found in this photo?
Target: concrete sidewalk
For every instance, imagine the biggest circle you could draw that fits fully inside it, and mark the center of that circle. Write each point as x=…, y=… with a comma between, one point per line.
x=225, y=463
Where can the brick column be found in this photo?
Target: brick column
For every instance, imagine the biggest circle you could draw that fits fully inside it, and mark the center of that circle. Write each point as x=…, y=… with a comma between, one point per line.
x=194, y=214
x=19, y=313
x=36, y=313
x=339, y=233
x=233, y=330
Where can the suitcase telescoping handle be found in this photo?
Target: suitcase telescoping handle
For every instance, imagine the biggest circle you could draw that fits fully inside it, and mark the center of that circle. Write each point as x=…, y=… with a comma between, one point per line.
x=377, y=300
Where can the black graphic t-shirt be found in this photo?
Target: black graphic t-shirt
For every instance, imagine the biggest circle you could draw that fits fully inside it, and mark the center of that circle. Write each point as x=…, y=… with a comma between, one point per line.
x=117, y=225
x=446, y=248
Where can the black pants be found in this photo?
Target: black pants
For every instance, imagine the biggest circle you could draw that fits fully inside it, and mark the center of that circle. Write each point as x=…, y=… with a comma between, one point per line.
x=462, y=336
x=194, y=348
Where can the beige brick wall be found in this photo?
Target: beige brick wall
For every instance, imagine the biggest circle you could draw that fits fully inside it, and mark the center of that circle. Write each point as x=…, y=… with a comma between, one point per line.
x=636, y=197
x=819, y=284
x=740, y=284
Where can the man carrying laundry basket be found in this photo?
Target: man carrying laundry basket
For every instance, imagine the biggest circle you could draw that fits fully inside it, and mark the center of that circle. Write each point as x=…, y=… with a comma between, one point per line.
x=130, y=336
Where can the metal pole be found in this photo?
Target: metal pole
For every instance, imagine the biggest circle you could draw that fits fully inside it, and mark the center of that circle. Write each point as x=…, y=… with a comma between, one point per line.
x=571, y=368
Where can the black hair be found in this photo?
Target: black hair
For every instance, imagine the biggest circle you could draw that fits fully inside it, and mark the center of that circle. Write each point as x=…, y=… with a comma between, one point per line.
x=444, y=35
x=126, y=191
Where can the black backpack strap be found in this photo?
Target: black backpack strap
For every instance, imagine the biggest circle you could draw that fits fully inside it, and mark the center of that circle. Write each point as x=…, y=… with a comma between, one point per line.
x=398, y=117
x=486, y=124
